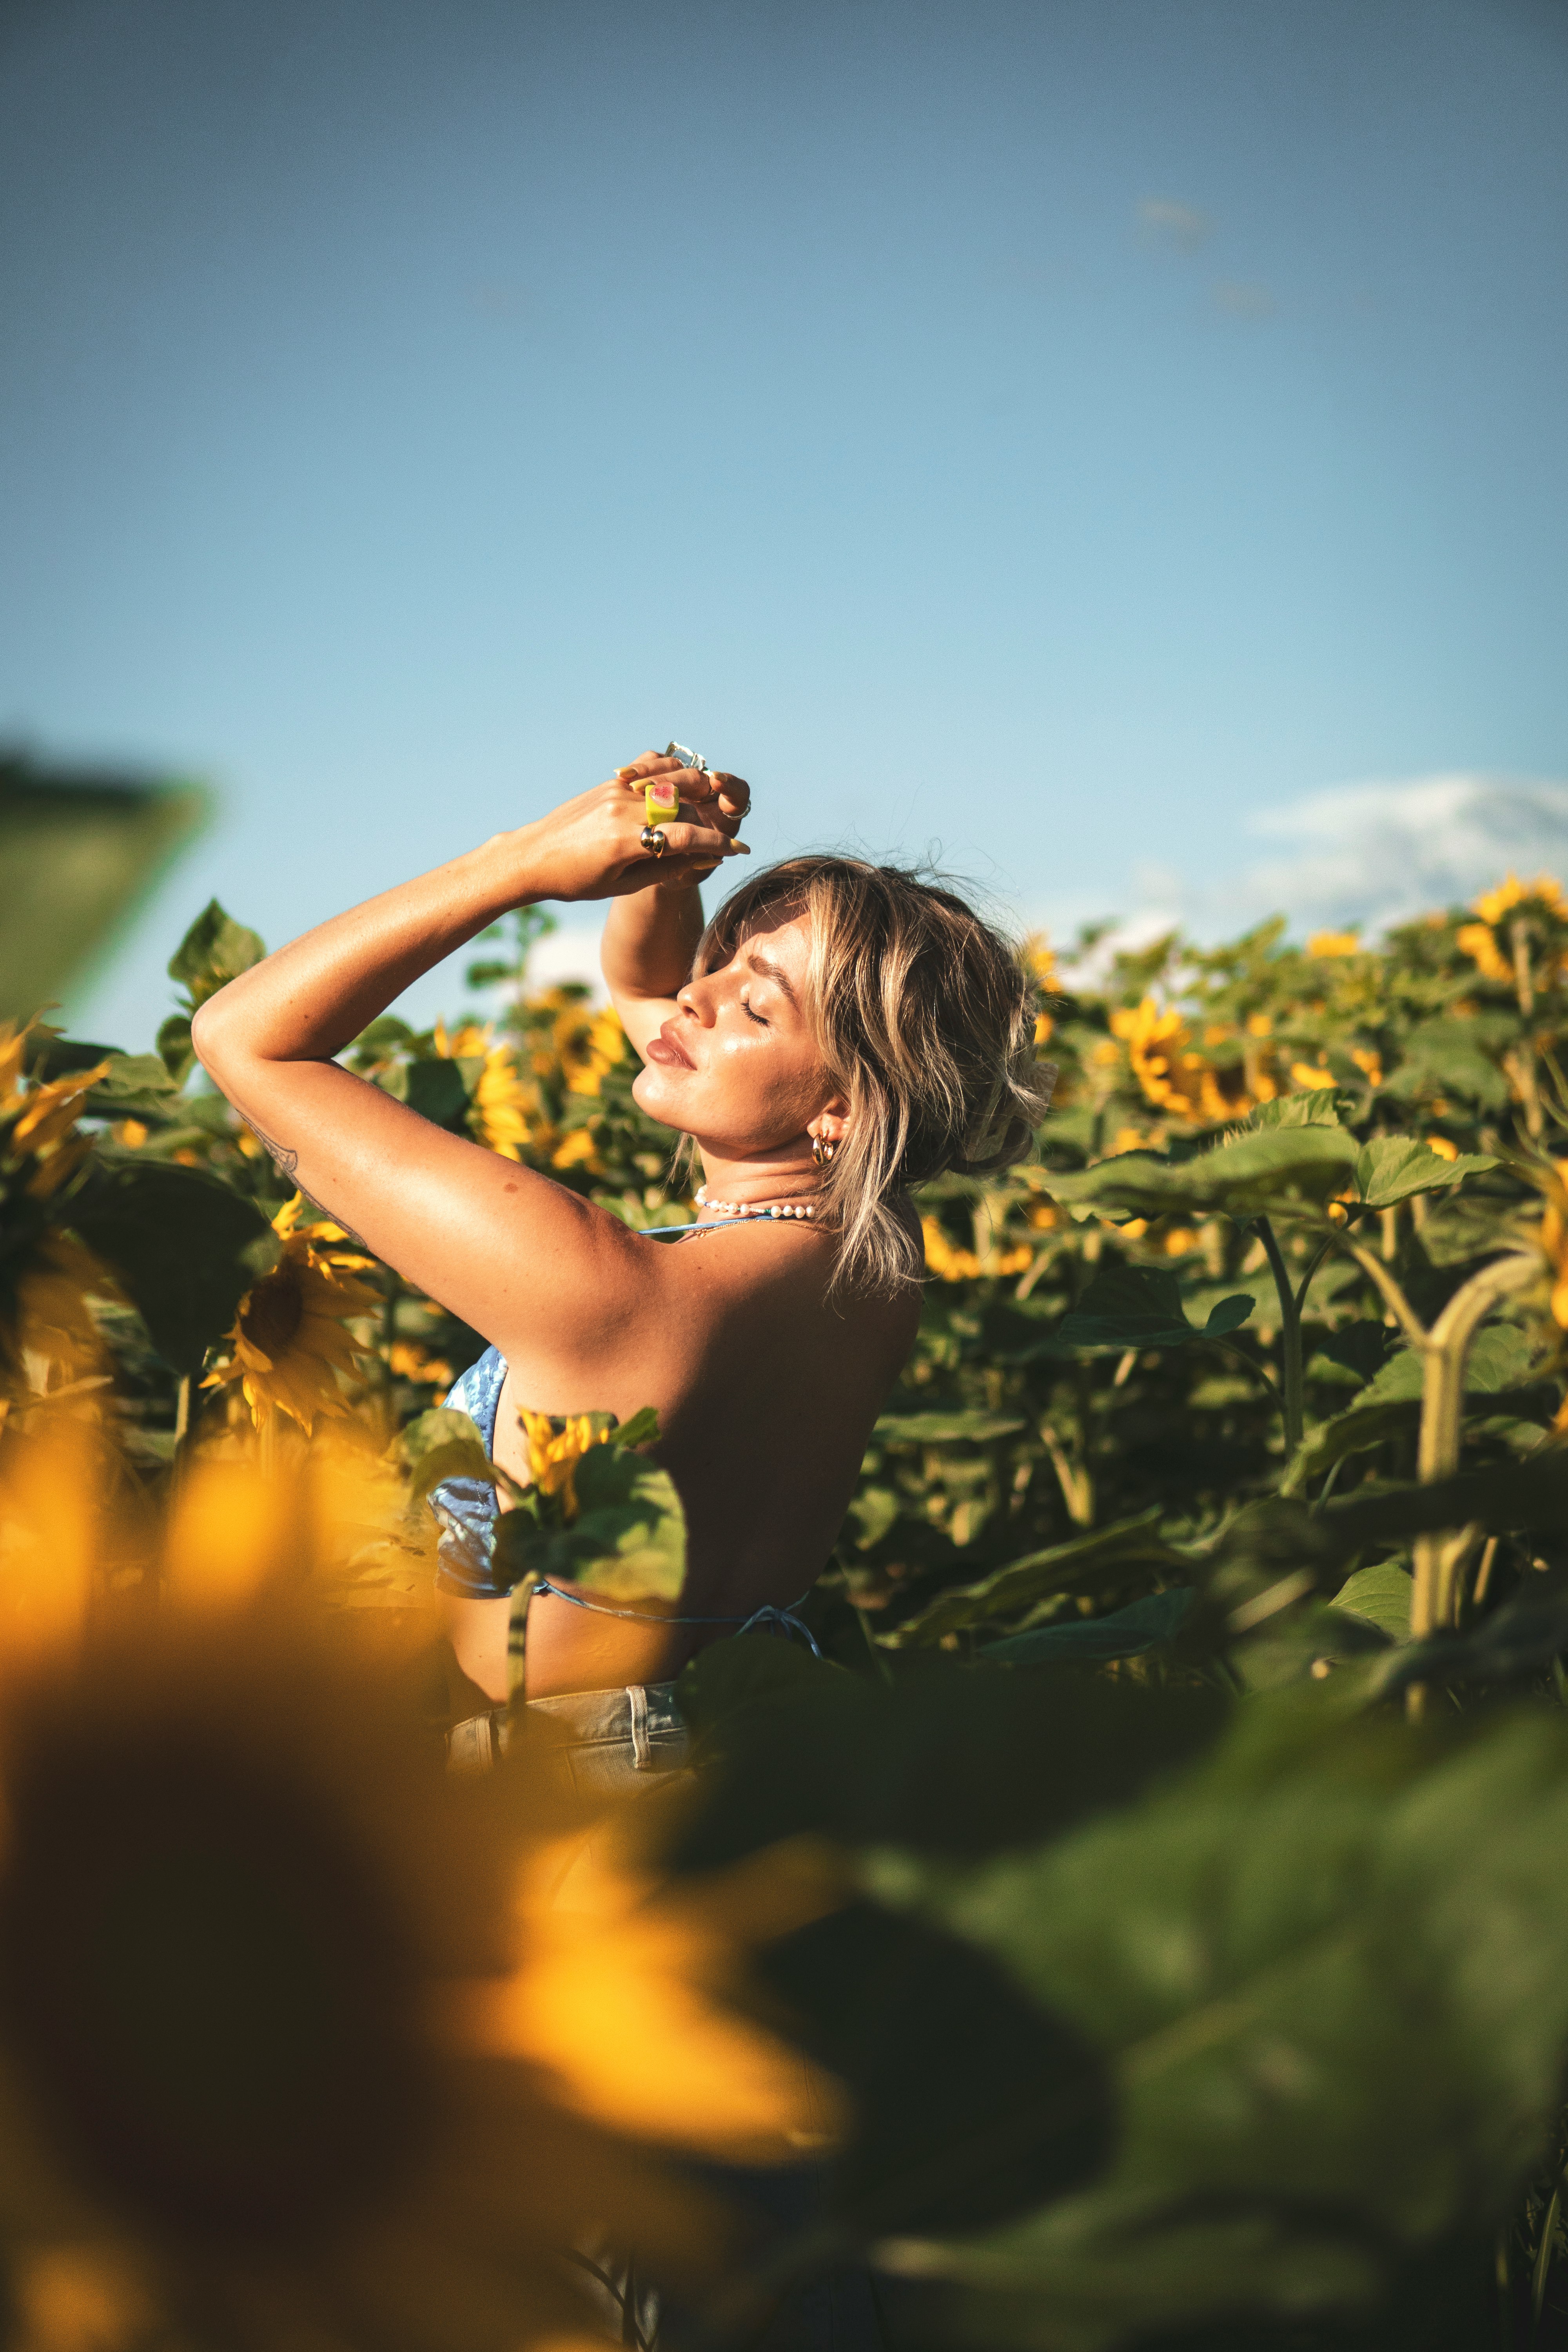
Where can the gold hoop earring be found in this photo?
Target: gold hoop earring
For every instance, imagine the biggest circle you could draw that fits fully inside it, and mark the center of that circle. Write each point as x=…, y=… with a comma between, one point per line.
x=822, y=1151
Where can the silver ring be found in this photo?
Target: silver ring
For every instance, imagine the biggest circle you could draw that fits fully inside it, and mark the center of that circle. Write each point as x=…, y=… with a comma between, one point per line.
x=652, y=841
x=687, y=758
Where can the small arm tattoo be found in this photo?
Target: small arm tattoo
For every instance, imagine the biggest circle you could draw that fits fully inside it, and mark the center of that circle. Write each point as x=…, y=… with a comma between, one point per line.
x=289, y=1163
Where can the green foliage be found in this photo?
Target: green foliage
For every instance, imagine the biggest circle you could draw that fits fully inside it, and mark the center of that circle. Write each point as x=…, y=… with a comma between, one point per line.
x=617, y=1529
x=1389, y=1406
x=1269, y=1173
x=1142, y=1307
x=1323, y=1968
x=1381, y=1595
x=1184, y=1988
x=185, y=1247
x=1090, y=1562
x=214, y=951
x=1397, y=1168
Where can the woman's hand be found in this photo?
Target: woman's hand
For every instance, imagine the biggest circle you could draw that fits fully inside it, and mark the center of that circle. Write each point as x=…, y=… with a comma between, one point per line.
x=589, y=848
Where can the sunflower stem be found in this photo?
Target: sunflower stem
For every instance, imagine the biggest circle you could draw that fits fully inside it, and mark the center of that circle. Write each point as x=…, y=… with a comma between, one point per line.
x=1289, y=1338
x=1446, y=1347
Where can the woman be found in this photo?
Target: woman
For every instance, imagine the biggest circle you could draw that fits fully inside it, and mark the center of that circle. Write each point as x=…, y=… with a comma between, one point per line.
x=839, y=1031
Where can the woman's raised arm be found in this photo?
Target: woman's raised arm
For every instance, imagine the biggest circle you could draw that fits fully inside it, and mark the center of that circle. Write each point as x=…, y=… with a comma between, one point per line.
x=491, y=1241
x=650, y=938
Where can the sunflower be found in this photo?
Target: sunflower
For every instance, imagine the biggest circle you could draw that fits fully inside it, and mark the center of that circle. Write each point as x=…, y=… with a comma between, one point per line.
x=1174, y=1077
x=45, y=1275
x=554, y=1453
x=578, y=1150
x=289, y=1338
x=571, y=1044
x=1040, y=959
x=505, y=1111
x=410, y=1361
x=950, y=1264
x=589, y=1054
x=301, y=2039
x=1506, y=917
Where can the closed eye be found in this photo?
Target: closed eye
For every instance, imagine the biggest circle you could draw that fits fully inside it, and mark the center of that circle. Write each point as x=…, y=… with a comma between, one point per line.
x=750, y=1016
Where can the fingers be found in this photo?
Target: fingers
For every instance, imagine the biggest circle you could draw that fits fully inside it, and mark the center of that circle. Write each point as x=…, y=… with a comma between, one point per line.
x=723, y=800
x=697, y=842
x=732, y=793
x=645, y=766
x=717, y=799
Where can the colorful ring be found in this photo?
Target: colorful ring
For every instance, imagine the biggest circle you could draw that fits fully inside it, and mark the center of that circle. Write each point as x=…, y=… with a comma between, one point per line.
x=661, y=803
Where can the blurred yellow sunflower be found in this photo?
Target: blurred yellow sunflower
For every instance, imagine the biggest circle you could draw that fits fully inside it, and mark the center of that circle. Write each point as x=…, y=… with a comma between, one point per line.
x=578, y=1150
x=554, y=1454
x=950, y=1264
x=1174, y=1077
x=1040, y=958
x=592, y=1054
x=301, y=2043
x=45, y=1276
x=410, y=1361
x=1511, y=901
x=290, y=1338
x=580, y=1046
x=505, y=1114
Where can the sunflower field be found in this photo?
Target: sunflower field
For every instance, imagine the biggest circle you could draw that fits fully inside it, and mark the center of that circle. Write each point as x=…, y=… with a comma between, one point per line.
x=1145, y=1925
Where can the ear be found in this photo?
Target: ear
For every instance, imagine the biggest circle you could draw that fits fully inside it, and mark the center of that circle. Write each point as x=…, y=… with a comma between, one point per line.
x=832, y=1121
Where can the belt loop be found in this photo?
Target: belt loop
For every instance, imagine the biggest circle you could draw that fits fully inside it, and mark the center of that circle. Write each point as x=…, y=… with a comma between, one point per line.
x=642, y=1754
x=471, y=1744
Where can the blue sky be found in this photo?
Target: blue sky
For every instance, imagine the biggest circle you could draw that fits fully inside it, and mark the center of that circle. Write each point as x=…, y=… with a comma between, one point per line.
x=1071, y=437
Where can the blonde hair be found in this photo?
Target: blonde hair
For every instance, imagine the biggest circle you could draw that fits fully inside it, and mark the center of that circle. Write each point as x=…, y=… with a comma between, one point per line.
x=925, y=1018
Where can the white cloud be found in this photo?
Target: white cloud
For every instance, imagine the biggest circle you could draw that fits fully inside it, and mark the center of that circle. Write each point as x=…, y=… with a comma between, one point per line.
x=1376, y=854
x=1354, y=855
x=571, y=952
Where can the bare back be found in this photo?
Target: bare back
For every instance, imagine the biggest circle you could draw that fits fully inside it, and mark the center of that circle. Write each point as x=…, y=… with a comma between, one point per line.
x=766, y=1393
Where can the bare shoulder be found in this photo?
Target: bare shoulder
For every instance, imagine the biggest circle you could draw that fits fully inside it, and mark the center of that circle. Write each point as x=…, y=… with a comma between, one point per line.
x=787, y=1268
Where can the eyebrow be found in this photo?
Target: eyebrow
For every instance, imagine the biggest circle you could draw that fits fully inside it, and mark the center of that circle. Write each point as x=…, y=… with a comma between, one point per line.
x=767, y=971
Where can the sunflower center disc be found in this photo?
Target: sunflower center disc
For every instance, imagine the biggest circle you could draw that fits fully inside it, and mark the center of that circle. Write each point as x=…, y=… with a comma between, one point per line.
x=277, y=1308
x=212, y=2002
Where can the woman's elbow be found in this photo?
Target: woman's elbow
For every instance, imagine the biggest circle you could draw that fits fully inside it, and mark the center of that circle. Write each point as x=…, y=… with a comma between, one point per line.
x=213, y=1038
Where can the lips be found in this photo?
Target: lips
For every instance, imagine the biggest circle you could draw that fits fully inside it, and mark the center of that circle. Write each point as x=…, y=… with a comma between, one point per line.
x=664, y=1050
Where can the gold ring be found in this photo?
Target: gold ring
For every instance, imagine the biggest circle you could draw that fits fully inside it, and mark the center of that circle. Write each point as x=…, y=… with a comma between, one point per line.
x=652, y=841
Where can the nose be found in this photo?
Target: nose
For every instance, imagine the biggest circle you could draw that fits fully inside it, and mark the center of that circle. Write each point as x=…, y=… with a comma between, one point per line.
x=697, y=998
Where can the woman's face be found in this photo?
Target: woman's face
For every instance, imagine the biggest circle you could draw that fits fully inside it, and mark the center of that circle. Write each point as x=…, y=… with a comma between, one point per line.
x=738, y=1067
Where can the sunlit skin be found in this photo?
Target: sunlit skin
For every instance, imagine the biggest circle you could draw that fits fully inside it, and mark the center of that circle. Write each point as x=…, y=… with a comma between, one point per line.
x=766, y=1392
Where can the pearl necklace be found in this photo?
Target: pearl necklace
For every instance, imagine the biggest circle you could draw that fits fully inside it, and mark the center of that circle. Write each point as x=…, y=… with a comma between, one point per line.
x=748, y=1208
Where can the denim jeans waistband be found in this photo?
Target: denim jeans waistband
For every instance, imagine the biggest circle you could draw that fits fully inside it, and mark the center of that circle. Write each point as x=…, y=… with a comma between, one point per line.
x=639, y=1729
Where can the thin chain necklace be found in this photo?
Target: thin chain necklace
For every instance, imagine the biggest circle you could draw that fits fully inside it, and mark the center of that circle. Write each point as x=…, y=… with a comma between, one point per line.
x=749, y=1208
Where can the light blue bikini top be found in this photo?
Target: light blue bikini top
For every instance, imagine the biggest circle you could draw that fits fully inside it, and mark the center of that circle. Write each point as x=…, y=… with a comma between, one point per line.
x=467, y=1507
